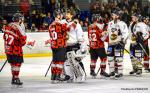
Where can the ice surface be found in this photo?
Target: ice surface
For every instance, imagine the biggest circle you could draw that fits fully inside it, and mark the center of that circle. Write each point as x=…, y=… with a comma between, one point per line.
x=33, y=70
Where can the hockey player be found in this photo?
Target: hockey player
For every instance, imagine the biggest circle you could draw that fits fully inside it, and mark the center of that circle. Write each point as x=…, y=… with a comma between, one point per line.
x=97, y=37
x=14, y=40
x=58, y=37
x=75, y=42
x=118, y=33
x=139, y=34
x=146, y=56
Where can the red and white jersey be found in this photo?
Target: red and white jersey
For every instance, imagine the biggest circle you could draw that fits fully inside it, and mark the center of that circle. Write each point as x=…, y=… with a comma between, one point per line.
x=58, y=34
x=14, y=39
x=95, y=36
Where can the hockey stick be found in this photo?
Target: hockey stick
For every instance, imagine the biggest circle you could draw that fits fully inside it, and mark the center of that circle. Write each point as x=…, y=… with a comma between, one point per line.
x=48, y=69
x=98, y=71
x=139, y=39
x=3, y=65
x=132, y=55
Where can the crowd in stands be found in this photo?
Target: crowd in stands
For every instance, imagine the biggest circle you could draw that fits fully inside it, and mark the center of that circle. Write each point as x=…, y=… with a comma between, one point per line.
x=39, y=20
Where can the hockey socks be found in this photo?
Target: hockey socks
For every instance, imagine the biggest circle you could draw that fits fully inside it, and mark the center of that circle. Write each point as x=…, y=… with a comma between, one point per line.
x=15, y=69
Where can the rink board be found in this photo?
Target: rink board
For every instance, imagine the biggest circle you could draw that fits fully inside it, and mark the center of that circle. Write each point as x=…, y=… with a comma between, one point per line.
x=39, y=50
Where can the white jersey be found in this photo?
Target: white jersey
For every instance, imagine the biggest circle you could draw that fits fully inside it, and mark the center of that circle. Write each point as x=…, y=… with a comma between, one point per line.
x=119, y=31
x=75, y=34
x=140, y=27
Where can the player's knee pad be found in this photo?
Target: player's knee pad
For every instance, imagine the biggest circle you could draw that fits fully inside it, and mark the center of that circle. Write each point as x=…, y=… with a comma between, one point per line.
x=111, y=62
x=110, y=59
x=119, y=59
x=133, y=60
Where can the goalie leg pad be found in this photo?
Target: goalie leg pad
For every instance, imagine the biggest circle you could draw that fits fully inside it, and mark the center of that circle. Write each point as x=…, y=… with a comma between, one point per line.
x=68, y=70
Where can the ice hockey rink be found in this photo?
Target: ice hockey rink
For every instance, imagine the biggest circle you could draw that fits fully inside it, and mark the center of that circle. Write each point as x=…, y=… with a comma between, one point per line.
x=33, y=70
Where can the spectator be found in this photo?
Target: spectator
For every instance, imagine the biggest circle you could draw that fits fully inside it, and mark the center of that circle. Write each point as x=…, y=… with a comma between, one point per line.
x=25, y=7
x=126, y=16
x=1, y=23
x=48, y=19
x=86, y=22
x=33, y=28
x=43, y=28
x=106, y=18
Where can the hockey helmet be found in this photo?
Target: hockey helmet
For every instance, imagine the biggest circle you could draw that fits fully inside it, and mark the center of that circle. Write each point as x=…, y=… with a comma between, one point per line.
x=145, y=18
x=137, y=15
x=17, y=16
x=117, y=12
x=57, y=12
x=96, y=17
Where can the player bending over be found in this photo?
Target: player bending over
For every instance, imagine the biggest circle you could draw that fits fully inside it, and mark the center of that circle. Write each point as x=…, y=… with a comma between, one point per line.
x=75, y=43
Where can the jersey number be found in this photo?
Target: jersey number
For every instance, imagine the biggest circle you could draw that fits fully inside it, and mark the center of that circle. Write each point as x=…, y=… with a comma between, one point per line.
x=93, y=37
x=54, y=35
x=9, y=39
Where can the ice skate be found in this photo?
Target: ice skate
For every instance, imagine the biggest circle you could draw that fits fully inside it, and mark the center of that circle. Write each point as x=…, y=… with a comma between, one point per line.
x=112, y=75
x=104, y=75
x=16, y=83
x=147, y=70
x=139, y=73
x=93, y=74
x=133, y=72
x=118, y=76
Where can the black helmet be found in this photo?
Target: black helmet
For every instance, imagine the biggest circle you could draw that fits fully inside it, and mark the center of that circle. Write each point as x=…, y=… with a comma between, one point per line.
x=17, y=17
x=117, y=12
x=145, y=17
x=57, y=12
x=138, y=16
x=96, y=17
